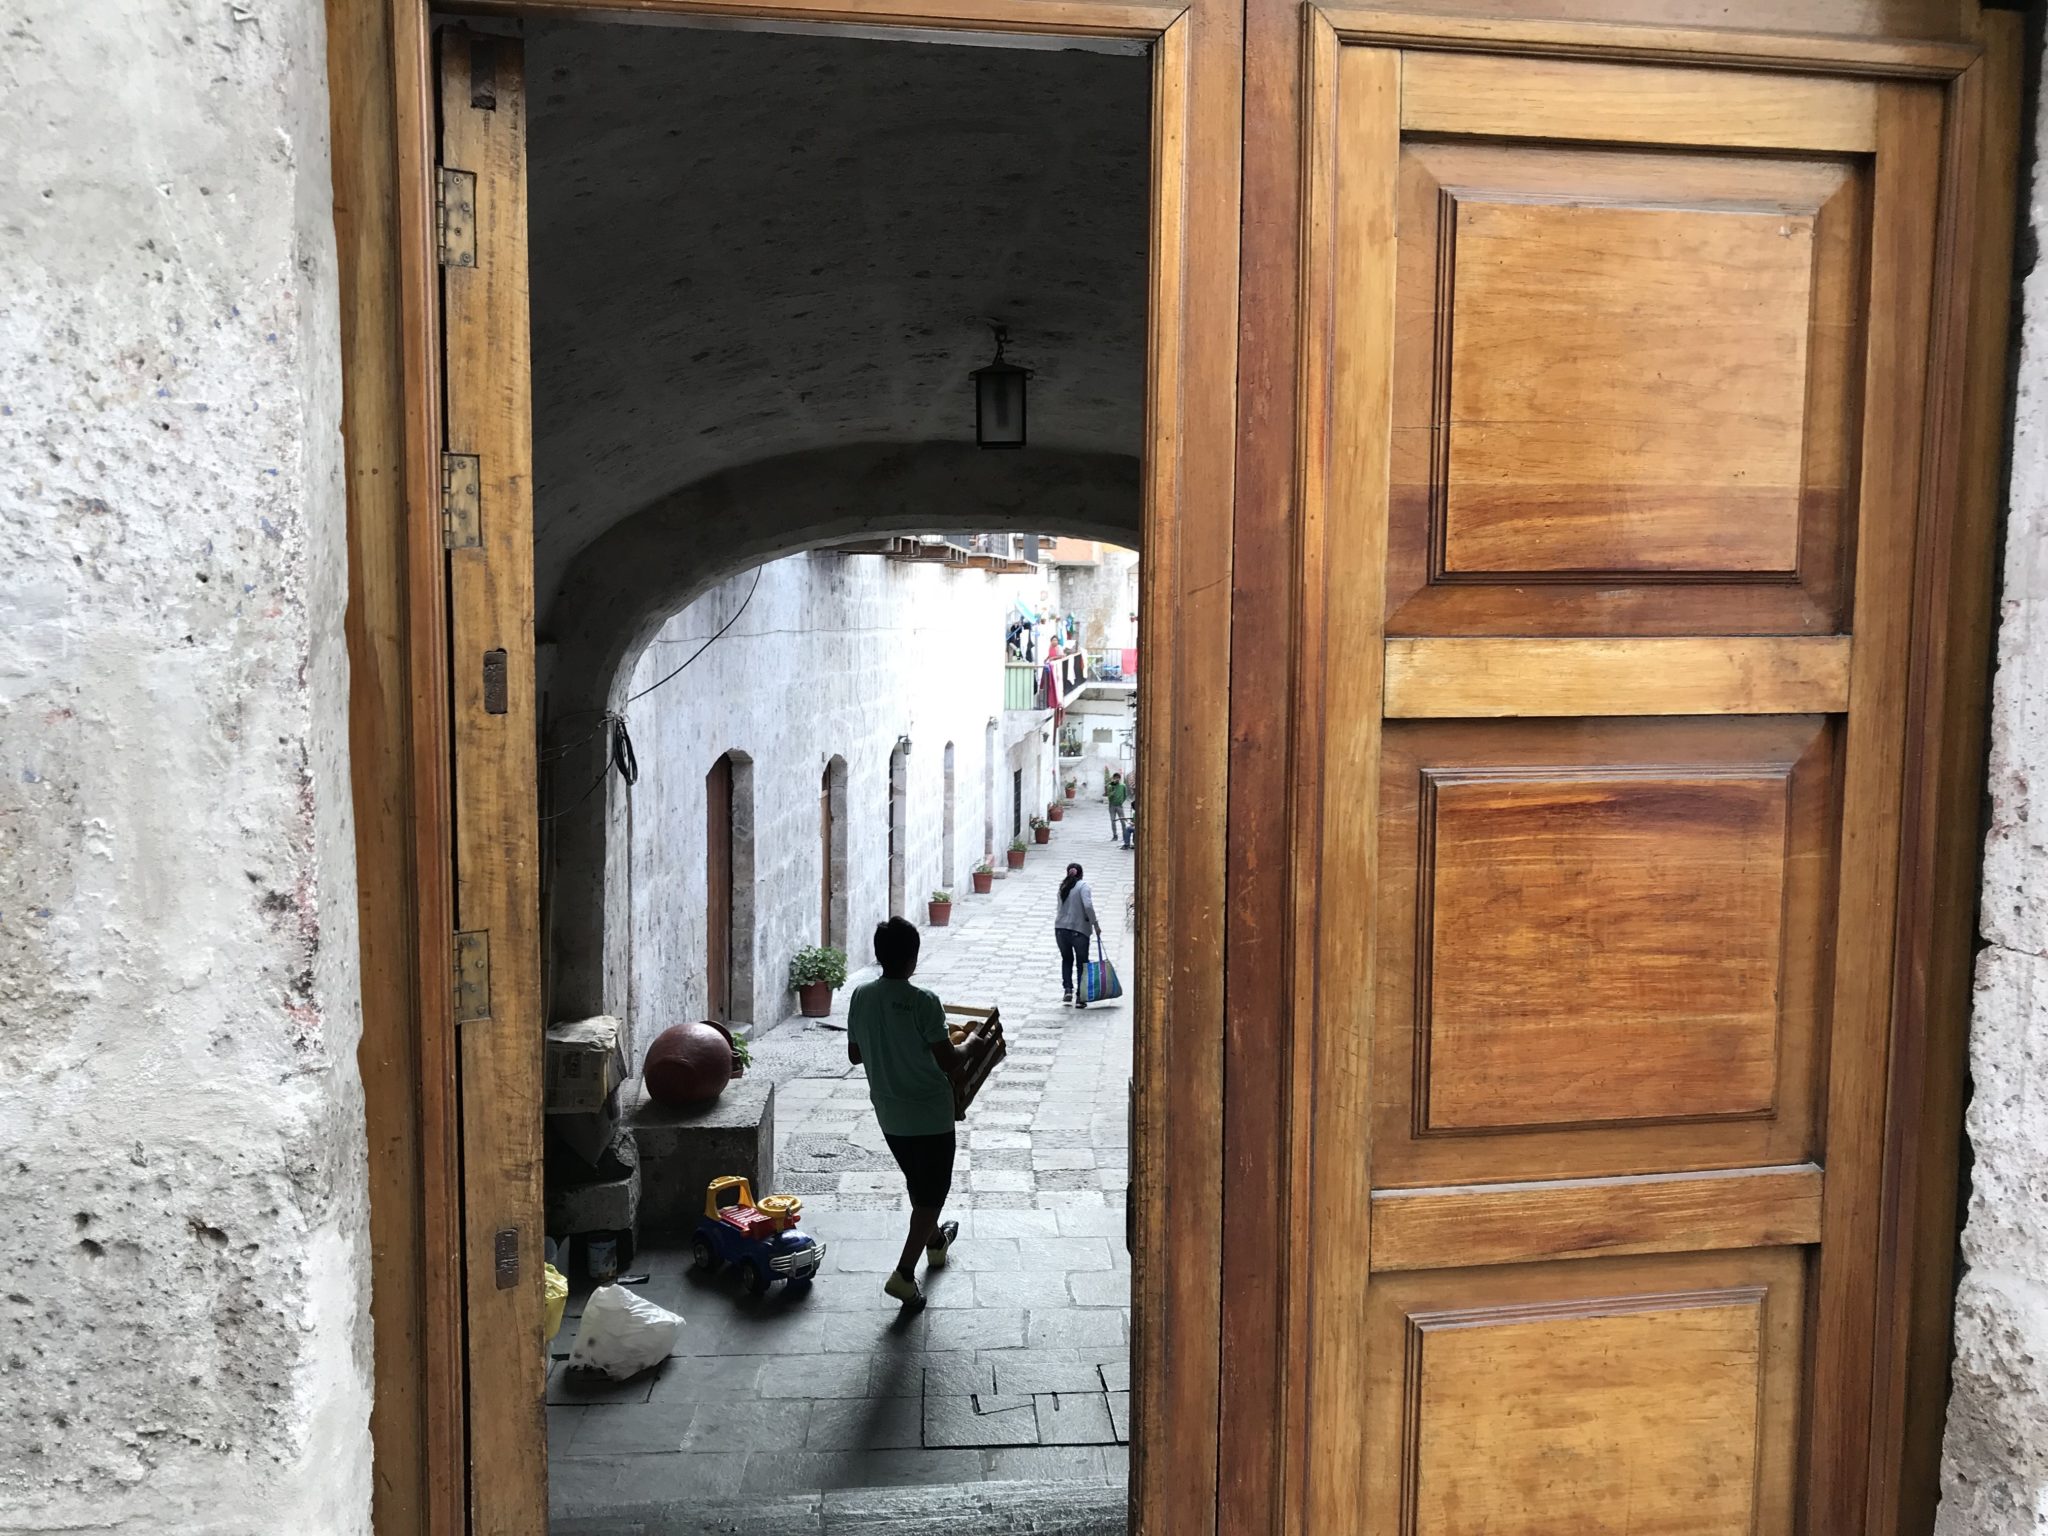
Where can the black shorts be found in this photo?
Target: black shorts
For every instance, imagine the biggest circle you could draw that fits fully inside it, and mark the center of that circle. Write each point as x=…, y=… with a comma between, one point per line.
x=927, y=1164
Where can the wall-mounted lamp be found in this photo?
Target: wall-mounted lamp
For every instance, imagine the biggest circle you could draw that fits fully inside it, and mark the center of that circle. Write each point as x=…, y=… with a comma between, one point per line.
x=999, y=400
x=903, y=744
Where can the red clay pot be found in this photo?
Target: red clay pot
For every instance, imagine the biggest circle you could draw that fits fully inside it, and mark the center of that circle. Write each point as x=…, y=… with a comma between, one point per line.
x=940, y=912
x=983, y=884
x=1016, y=856
x=688, y=1064
x=1041, y=834
x=1070, y=791
x=815, y=999
x=1055, y=812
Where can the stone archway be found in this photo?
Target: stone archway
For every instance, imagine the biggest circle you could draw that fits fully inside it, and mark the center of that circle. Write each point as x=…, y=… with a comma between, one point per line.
x=620, y=589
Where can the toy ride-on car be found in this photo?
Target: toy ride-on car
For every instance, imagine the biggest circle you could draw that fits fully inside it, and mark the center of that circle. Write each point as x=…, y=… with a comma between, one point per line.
x=758, y=1239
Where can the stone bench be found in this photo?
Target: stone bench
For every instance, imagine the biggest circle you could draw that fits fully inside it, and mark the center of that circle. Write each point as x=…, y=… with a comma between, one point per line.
x=683, y=1149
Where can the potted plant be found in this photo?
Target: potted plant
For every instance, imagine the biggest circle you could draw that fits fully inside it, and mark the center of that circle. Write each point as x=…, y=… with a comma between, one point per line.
x=1056, y=811
x=1016, y=853
x=1071, y=786
x=940, y=908
x=741, y=1055
x=815, y=973
x=984, y=878
x=1041, y=830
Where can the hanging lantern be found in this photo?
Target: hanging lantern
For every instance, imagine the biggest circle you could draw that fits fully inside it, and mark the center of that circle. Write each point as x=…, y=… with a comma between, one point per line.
x=999, y=400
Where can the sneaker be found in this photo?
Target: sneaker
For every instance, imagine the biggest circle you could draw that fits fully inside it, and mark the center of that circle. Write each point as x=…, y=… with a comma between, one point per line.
x=941, y=1244
x=1067, y=997
x=1080, y=1002
x=903, y=1289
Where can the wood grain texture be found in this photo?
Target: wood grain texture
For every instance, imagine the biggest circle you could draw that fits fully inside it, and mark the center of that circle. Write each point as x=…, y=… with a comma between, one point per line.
x=1895, y=391
x=1600, y=945
x=1347, y=404
x=1566, y=100
x=1457, y=678
x=489, y=413
x=1569, y=462
x=1624, y=33
x=1548, y=1120
x=1179, y=1177
x=1549, y=1409
x=359, y=48
x=1627, y=388
x=1079, y=18
x=1942, y=810
x=443, y=1357
x=1595, y=1218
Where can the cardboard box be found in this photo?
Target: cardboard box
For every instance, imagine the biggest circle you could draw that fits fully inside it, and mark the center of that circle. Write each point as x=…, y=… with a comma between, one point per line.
x=584, y=1066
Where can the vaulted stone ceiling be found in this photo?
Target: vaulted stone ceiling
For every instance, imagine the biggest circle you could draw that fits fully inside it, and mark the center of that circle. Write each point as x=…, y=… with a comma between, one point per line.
x=747, y=245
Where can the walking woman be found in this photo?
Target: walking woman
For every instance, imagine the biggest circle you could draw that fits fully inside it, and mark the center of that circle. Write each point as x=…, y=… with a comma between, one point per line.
x=1072, y=924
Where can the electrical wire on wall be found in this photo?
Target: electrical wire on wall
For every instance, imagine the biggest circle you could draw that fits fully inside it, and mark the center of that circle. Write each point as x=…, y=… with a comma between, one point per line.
x=619, y=755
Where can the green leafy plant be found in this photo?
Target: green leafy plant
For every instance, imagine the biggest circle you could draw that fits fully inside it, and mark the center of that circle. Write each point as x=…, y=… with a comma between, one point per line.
x=1039, y=821
x=984, y=868
x=818, y=962
x=740, y=1052
x=941, y=898
x=1018, y=845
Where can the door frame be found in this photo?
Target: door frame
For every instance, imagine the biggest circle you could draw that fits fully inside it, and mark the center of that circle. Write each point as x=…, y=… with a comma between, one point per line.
x=381, y=79
x=1912, y=1223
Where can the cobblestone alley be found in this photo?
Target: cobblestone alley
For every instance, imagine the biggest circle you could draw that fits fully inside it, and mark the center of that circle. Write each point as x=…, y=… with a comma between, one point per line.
x=1014, y=1382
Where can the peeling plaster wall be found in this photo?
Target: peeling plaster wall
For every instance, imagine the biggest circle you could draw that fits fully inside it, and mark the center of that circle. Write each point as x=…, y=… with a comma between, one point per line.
x=835, y=655
x=1995, y=1463
x=184, y=1339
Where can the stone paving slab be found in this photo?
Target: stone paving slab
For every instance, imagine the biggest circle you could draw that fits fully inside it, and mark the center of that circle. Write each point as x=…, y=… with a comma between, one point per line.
x=799, y=1413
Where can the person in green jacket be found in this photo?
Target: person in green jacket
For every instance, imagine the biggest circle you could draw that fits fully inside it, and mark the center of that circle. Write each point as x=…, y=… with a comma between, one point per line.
x=897, y=1034
x=1119, y=793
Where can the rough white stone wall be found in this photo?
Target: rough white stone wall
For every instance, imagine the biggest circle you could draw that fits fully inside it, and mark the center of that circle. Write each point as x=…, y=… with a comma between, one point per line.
x=184, y=1339
x=1995, y=1466
x=835, y=655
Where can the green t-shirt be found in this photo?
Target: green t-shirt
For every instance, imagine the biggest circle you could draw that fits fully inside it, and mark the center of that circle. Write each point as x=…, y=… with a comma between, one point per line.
x=1119, y=792
x=895, y=1025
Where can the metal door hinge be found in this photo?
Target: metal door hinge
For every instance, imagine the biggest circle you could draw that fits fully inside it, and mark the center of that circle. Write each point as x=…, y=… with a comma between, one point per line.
x=462, y=513
x=505, y=1257
x=472, y=976
x=455, y=210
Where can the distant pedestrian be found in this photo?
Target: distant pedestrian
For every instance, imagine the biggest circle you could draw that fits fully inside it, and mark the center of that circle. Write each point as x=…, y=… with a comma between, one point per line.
x=1119, y=796
x=897, y=1033
x=1071, y=926
x=1131, y=821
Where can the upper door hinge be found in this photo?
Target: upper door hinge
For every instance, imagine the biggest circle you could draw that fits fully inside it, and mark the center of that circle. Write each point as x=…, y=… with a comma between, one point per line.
x=455, y=210
x=472, y=976
x=462, y=522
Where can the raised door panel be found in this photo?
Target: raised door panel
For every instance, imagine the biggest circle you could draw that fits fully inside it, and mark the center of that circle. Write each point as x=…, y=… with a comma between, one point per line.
x=1602, y=946
x=1622, y=400
x=1656, y=1396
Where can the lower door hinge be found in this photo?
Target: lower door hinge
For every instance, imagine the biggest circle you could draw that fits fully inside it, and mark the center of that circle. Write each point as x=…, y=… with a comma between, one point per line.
x=462, y=516
x=455, y=217
x=472, y=976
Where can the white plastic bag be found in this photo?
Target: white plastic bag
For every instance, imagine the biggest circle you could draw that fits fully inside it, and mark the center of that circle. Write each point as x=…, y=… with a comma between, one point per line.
x=622, y=1334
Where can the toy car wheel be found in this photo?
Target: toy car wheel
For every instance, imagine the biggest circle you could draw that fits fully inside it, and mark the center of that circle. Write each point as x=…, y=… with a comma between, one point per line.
x=701, y=1253
x=753, y=1277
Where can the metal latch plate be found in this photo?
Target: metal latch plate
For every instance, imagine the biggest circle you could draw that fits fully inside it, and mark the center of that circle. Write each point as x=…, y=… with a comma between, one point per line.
x=457, y=199
x=472, y=977
x=462, y=522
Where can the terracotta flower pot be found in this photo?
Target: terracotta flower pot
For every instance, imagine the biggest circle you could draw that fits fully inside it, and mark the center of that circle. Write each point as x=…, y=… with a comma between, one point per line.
x=1041, y=834
x=1016, y=856
x=984, y=883
x=940, y=912
x=815, y=999
x=1070, y=791
x=1055, y=812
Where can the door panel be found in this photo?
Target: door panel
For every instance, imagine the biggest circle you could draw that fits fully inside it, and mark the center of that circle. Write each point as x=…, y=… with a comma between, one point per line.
x=488, y=375
x=1620, y=374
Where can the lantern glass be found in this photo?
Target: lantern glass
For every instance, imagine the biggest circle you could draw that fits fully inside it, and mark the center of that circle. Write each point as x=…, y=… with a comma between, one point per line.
x=999, y=405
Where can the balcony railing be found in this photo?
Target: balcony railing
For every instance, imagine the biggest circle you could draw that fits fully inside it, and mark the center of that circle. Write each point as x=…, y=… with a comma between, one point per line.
x=1024, y=682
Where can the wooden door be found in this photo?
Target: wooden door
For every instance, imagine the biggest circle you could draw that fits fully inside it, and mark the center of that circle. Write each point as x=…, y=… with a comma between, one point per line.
x=718, y=889
x=1613, y=460
x=489, y=446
